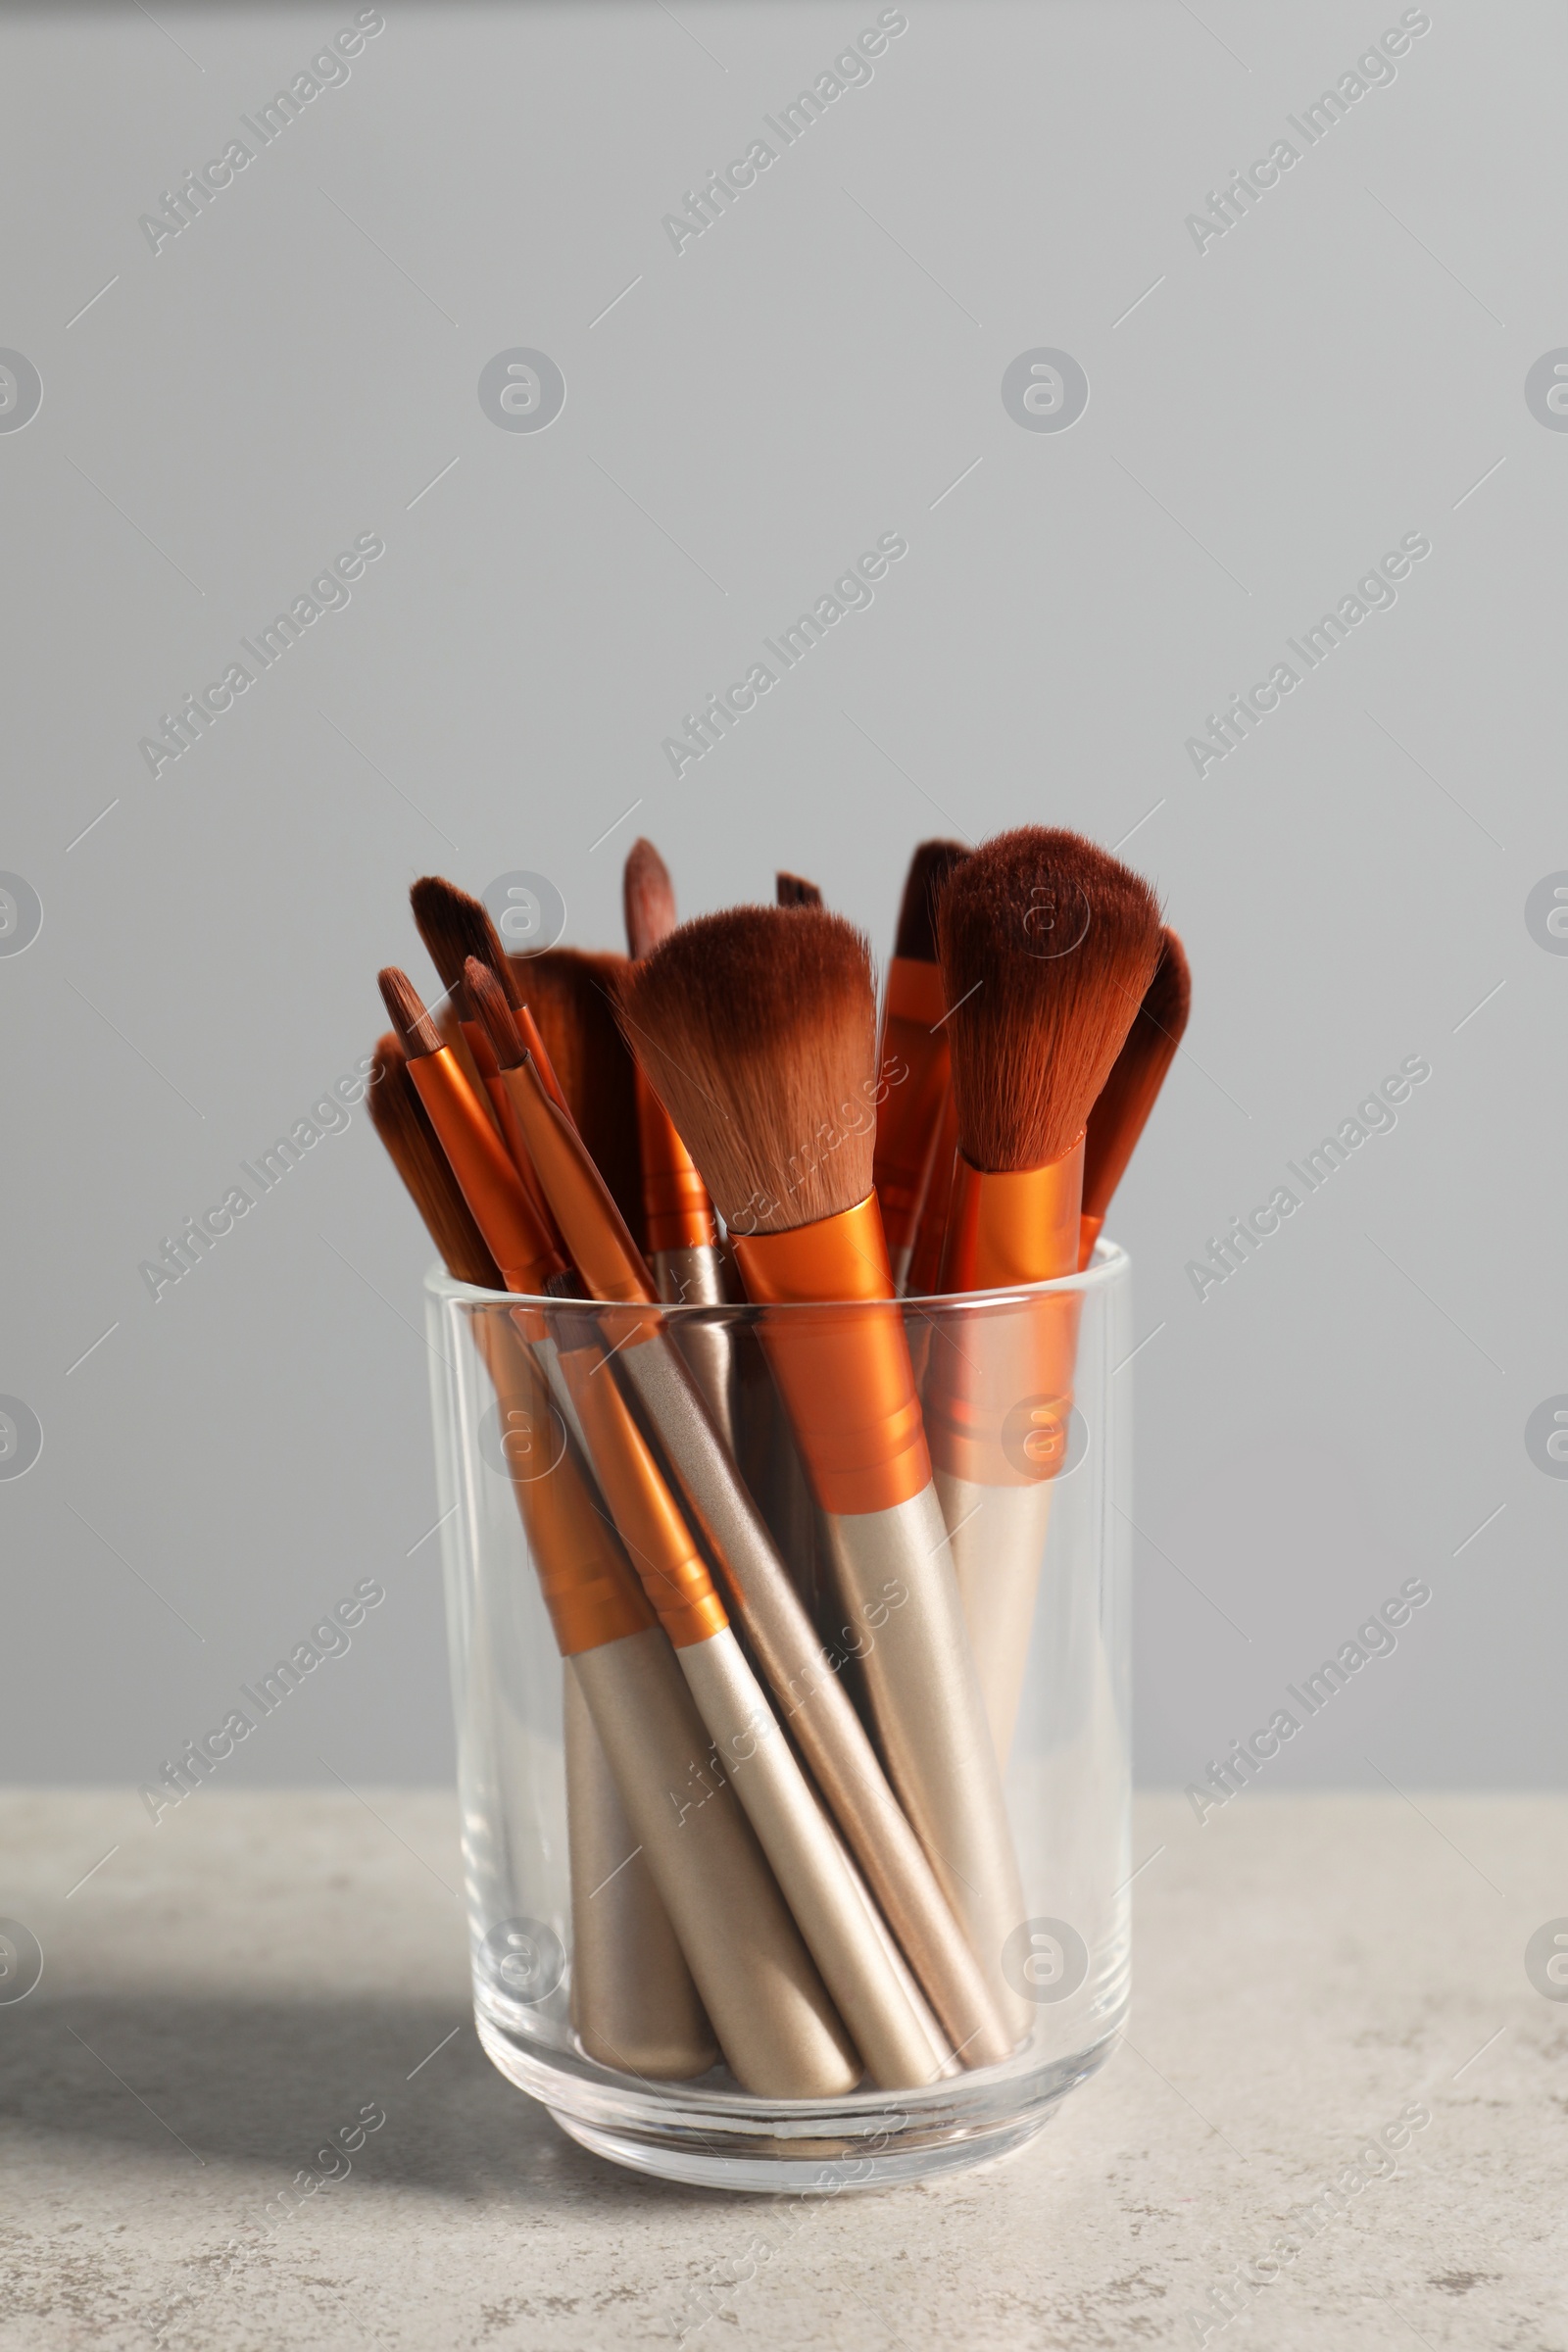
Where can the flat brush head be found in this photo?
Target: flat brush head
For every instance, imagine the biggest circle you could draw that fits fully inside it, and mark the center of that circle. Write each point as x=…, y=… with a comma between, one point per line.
x=933, y=861
x=454, y=925
x=1046, y=947
x=405, y=1006
x=571, y=997
x=757, y=1028
x=794, y=890
x=403, y=1124
x=489, y=1001
x=1120, y=1114
x=649, y=896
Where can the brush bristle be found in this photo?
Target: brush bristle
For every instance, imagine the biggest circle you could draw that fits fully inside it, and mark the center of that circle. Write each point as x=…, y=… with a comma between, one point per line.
x=794, y=890
x=571, y=997
x=933, y=861
x=1120, y=1114
x=454, y=925
x=405, y=1007
x=757, y=1029
x=648, y=894
x=403, y=1124
x=489, y=1001
x=1046, y=947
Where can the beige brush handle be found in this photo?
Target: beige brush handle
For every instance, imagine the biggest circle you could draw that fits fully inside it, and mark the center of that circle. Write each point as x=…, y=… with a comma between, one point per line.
x=633, y=2001
x=998, y=1541
x=818, y=1708
x=810, y=1866
x=759, y=1983
x=695, y=1277
x=894, y=1568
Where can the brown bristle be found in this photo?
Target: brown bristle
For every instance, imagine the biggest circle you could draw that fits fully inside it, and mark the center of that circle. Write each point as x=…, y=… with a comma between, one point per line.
x=404, y=1002
x=454, y=925
x=402, y=1122
x=489, y=1001
x=757, y=1028
x=571, y=997
x=1046, y=947
x=933, y=861
x=1122, y=1110
x=794, y=890
x=649, y=896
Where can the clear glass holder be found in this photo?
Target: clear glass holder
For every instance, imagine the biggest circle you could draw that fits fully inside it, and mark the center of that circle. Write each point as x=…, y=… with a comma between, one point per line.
x=1029, y=1431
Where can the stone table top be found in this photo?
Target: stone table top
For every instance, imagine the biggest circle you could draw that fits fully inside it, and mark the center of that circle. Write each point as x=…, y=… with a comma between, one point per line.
x=222, y=1991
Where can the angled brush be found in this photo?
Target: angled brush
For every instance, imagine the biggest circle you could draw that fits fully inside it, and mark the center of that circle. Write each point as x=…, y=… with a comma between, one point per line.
x=1128, y=1096
x=1048, y=944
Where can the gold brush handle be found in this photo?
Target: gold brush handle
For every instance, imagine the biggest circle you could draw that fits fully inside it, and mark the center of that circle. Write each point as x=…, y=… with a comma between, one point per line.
x=894, y=1568
x=633, y=2001
x=808, y=1862
x=769, y=2008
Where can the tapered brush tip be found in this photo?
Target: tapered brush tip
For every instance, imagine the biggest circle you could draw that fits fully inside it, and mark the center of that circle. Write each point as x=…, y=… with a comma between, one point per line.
x=1047, y=945
x=794, y=890
x=453, y=925
x=650, y=899
x=490, y=1003
x=933, y=861
x=406, y=1009
x=757, y=1029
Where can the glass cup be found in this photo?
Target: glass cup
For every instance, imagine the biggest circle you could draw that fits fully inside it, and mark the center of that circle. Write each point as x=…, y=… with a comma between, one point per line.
x=598, y=1789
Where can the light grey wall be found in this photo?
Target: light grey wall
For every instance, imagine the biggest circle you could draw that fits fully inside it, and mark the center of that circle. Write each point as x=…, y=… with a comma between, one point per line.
x=822, y=367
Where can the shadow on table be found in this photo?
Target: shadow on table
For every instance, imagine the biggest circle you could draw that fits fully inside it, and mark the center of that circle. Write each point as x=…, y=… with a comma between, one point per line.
x=253, y=2082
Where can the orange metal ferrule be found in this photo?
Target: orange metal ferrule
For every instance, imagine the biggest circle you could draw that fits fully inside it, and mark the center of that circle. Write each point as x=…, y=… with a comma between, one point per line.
x=997, y=1400
x=664, y=1550
x=1089, y=1228
x=915, y=1059
x=676, y=1202
x=610, y=1264
x=589, y=1588
x=845, y=1376
x=489, y=1183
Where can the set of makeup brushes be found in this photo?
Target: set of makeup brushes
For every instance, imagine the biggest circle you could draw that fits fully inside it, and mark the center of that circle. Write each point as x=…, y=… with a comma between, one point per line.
x=815, y=1885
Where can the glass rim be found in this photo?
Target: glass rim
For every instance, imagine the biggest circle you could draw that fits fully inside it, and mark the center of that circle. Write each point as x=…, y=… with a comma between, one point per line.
x=1109, y=1263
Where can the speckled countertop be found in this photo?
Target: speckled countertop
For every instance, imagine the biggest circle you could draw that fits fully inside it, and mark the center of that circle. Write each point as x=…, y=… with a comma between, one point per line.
x=221, y=1994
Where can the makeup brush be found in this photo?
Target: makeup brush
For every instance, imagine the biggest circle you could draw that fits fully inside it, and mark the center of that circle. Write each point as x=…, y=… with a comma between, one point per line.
x=1048, y=944
x=634, y=2003
x=757, y=1582
x=753, y=1754
x=1129, y=1094
x=914, y=1057
x=681, y=1235
x=794, y=890
x=758, y=1027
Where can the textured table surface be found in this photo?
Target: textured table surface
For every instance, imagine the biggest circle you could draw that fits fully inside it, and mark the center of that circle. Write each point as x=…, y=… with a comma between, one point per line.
x=227, y=1990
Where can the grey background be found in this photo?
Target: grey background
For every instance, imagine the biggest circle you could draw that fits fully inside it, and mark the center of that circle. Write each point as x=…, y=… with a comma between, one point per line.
x=817, y=369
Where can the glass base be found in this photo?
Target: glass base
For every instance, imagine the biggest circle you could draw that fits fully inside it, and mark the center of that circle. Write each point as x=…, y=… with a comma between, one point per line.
x=783, y=2174
x=711, y=2137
